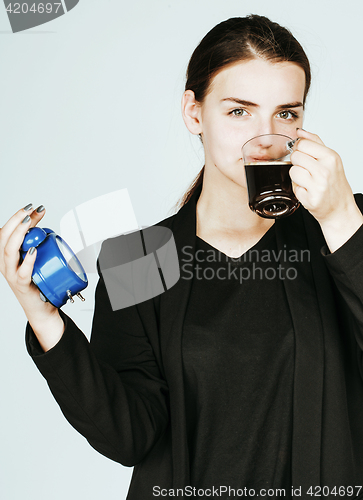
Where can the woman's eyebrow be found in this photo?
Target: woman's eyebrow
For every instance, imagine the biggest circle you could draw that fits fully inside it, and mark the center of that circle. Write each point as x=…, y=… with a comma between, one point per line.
x=296, y=104
x=240, y=101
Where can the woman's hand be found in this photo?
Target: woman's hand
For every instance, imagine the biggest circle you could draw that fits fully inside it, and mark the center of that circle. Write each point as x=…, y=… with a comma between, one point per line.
x=320, y=184
x=19, y=276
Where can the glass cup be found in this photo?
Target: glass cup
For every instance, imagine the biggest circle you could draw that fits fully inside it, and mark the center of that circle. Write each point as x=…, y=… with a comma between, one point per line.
x=267, y=163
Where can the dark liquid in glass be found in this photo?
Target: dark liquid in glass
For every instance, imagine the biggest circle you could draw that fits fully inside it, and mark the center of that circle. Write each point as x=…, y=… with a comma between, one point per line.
x=270, y=192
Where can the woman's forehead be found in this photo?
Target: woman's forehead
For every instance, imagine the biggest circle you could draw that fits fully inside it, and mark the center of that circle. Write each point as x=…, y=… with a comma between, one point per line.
x=259, y=79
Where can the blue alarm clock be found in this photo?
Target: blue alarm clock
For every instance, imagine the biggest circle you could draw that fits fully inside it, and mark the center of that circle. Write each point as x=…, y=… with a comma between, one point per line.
x=57, y=272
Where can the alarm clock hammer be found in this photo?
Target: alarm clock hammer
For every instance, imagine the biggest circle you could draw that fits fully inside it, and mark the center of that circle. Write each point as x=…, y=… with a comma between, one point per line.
x=57, y=272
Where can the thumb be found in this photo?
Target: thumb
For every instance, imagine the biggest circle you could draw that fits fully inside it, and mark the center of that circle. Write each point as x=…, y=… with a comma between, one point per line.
x=25, y=270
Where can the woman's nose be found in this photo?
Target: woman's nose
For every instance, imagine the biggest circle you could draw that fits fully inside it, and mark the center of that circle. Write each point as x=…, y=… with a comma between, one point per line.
x=266, y=128
x=264, y=140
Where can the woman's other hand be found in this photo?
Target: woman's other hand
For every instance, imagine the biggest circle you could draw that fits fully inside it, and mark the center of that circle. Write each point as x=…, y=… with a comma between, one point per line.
x=43, y=316
x=320, y=184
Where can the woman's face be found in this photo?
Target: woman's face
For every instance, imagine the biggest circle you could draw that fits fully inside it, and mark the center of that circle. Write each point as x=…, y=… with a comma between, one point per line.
x=247, y=99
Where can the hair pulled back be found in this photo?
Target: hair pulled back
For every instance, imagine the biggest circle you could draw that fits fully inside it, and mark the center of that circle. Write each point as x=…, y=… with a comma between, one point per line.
x=239, y=39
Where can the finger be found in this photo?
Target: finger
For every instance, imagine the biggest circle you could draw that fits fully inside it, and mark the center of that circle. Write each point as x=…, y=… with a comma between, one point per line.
x=15, y=240
x=305, y=161
x=301, y=177
x=304, y=134
x=25, y=270
x=300, y=193
x=12, y=247
x=313, y=149
x=295, y=186
x=14, y=221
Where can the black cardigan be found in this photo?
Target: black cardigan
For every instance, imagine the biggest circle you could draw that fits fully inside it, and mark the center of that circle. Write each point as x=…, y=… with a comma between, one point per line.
x=123, y=391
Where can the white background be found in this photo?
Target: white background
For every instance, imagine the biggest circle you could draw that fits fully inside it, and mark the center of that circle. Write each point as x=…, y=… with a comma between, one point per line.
x=90, y=103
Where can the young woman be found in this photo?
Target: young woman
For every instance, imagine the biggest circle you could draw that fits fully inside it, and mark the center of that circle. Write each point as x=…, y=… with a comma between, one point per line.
x=228, y=386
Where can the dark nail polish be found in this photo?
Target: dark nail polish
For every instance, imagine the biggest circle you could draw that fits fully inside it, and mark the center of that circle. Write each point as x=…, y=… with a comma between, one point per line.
x=40, y=209
x=31, y=250
x=28, y=207
x=25, y=220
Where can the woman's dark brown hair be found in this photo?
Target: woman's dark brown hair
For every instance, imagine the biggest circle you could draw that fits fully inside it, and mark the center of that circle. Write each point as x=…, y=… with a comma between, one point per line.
x=239, y=39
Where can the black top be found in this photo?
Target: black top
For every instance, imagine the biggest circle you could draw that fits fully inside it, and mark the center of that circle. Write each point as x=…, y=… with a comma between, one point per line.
x=238, y=355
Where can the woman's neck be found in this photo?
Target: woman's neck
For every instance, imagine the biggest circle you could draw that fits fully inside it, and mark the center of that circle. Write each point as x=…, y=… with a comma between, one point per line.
x=223, y=207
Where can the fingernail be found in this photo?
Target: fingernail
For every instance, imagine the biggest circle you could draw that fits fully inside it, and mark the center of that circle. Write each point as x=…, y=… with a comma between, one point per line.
x=40, y=209
x=26, y=219
x=31, y=250
x=28, y=207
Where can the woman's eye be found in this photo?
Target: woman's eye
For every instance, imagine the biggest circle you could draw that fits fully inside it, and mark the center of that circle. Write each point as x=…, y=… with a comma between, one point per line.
x=238, y=112
x=285, y=115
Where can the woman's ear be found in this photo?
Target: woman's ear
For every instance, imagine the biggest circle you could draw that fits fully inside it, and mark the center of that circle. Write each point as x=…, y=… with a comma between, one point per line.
x=191, y=112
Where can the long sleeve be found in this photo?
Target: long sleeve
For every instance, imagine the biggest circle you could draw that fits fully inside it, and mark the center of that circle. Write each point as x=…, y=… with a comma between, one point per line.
x=111, y=389
x=346, y=268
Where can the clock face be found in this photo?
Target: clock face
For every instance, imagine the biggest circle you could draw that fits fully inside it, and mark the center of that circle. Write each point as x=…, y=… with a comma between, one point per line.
x=71, y=259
